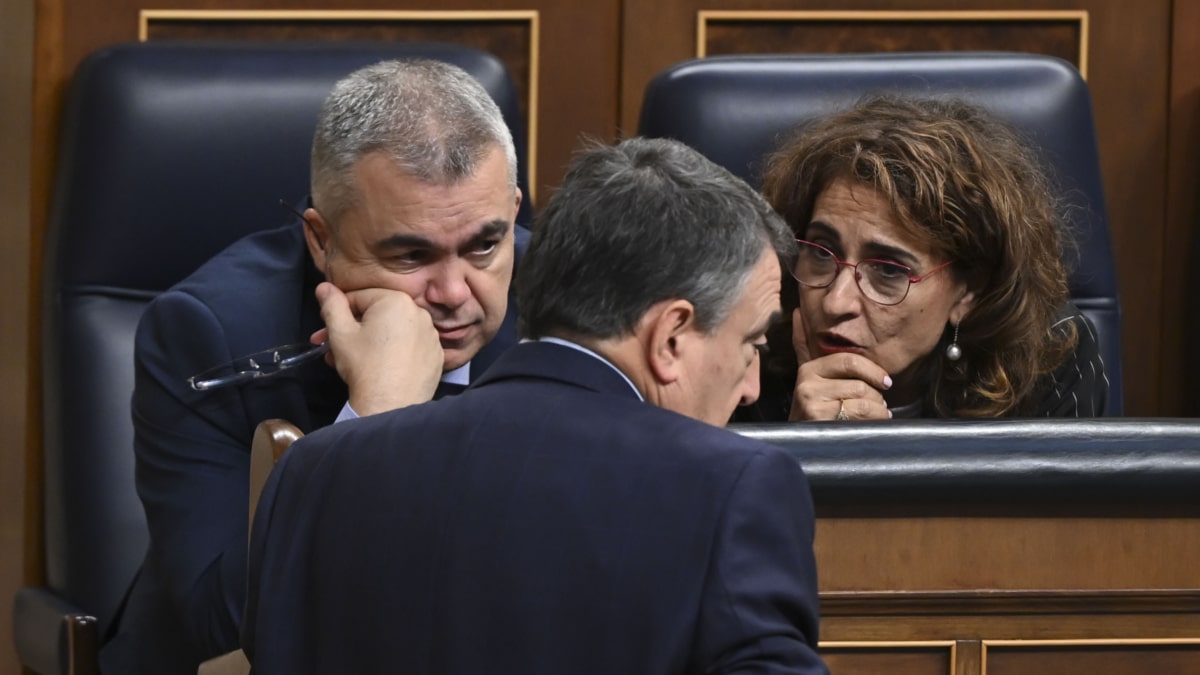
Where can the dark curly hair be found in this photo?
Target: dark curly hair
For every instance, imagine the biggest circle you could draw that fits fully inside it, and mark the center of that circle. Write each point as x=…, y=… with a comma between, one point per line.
x=966, y=183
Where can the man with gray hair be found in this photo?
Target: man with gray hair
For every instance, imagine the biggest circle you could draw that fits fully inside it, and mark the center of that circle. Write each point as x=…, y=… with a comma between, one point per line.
x=402, y=263
x=571, y=512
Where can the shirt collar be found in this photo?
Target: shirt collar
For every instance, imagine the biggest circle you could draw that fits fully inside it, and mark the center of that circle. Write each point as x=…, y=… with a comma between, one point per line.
x=460, y=375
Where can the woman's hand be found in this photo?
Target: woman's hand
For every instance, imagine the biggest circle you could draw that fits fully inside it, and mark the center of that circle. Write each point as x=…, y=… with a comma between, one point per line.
x=843, y=383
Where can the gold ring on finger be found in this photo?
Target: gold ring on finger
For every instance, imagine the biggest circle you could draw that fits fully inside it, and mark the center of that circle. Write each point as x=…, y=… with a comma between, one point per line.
x=842, y=416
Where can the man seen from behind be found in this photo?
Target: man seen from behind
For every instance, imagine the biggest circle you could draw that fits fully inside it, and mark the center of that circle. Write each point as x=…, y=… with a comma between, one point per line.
x=577, y=509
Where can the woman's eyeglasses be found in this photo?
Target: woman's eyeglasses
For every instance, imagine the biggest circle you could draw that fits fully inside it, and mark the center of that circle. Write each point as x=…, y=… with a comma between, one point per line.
x=881, y=281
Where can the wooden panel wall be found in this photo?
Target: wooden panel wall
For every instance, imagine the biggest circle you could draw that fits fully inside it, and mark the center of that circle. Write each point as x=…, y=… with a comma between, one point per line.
x=893, y=657
x=1010, y=588
x=1180, y=347
x=16, y=119
x=1082, y=657
x=1015, y=550
x=1061, y=34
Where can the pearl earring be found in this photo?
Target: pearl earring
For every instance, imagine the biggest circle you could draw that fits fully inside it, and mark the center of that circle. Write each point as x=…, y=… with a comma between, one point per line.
x=953, y=351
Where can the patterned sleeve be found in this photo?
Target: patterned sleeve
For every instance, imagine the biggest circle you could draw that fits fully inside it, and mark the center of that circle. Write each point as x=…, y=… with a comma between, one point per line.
x=1079, y=387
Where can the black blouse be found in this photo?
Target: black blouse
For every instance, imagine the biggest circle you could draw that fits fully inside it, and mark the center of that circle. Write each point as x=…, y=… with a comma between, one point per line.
x=1079, y=387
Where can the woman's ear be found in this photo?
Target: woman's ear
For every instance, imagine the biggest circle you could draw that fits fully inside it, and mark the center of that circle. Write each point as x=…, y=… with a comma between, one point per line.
x=668, y=328
x=963, y=307
x=316, y=236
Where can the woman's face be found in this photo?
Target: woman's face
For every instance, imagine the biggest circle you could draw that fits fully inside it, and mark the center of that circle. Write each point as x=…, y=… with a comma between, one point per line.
x=855, y=223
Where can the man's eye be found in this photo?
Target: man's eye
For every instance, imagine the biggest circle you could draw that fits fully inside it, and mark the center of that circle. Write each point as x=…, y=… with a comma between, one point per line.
x=409, y=259
x=485, y=248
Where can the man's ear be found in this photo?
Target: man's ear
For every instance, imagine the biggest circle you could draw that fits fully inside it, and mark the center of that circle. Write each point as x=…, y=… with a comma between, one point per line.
x=517, y=202
x=316, y=235
x=668, y=329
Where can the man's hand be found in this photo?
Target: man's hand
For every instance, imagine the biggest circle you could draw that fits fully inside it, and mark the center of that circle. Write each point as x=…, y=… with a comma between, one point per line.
x=827, y=385
x=383, y=345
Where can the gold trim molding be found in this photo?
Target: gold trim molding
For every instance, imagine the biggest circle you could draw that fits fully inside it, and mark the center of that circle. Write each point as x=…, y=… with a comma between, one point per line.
x=703, y=17
x=952, y=645
x=1114, y=642
x=532, y=16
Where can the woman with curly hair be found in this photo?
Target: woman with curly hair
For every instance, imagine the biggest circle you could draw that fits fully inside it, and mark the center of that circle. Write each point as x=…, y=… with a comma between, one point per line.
x=930, y=277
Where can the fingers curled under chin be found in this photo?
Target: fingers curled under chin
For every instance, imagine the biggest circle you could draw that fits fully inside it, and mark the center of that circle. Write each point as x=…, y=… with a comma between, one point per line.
x=861, y=409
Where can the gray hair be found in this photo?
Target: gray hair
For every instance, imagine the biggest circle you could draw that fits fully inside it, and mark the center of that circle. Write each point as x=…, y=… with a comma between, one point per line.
x=432, y=119
x=638, y=223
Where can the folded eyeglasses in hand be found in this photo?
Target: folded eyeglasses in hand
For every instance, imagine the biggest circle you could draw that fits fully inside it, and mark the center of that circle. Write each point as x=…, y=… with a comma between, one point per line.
x=257, y=365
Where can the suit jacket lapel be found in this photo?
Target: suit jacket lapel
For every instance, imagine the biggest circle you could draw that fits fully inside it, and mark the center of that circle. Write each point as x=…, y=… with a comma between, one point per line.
x=327, y=393
x=447, y=389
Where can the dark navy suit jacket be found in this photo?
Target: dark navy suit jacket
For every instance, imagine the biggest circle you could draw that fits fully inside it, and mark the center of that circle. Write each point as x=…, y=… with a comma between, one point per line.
x=193, y=448
x=546, y=521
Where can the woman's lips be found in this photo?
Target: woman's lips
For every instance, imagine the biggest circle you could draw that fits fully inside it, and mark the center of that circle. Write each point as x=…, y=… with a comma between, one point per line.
x=831, y=343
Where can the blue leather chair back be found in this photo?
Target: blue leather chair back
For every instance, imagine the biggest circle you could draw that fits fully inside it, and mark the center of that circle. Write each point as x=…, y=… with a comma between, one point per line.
x=736, y=109
x=169, y=152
